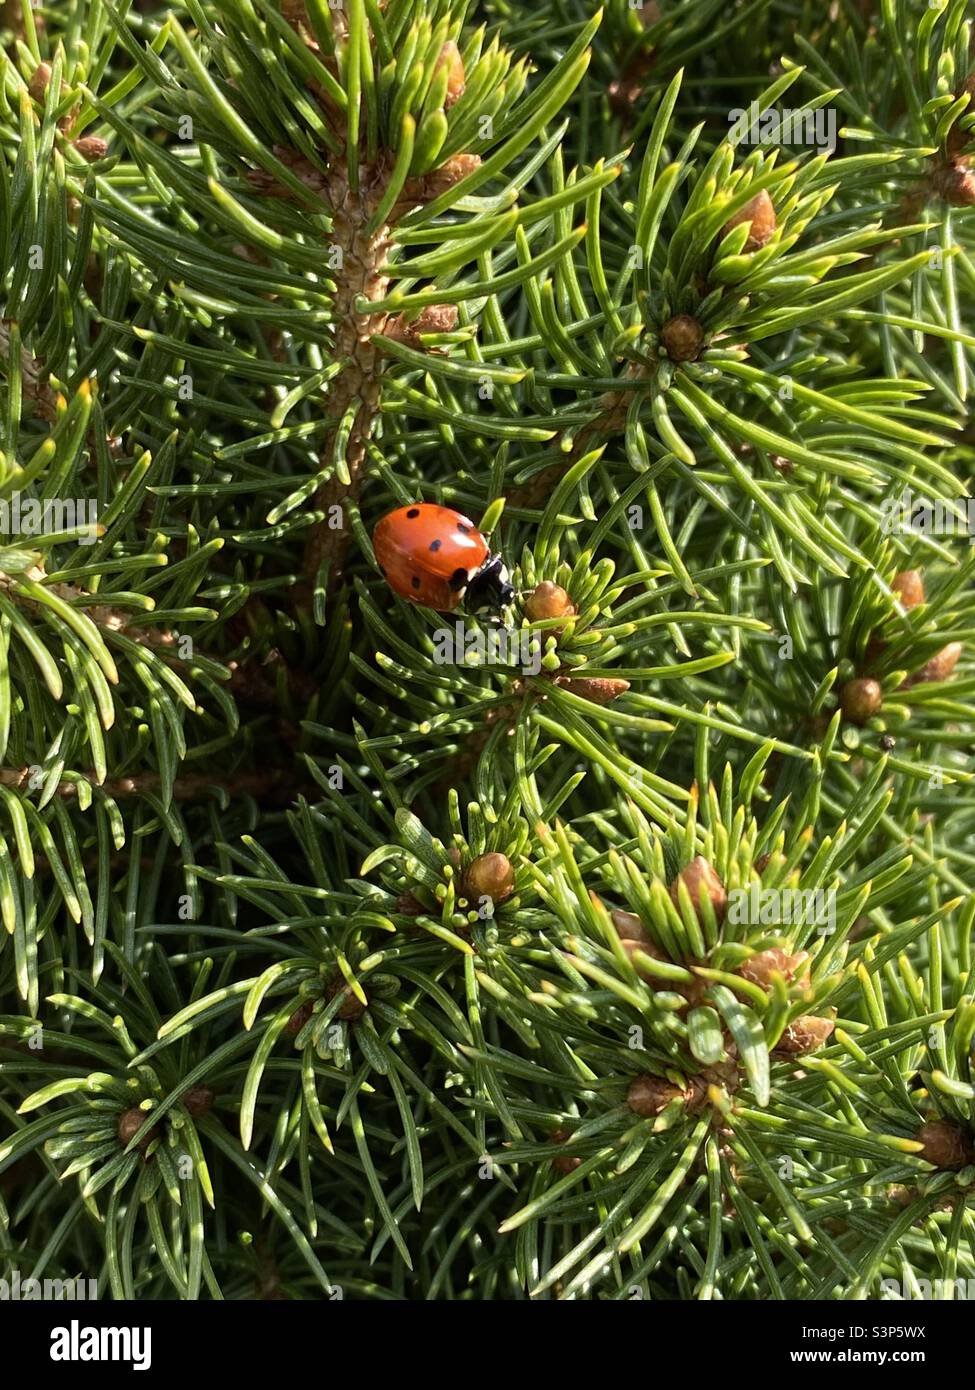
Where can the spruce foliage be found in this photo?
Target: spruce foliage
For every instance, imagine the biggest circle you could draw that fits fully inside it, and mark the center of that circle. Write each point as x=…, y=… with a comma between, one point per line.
x=335, y=962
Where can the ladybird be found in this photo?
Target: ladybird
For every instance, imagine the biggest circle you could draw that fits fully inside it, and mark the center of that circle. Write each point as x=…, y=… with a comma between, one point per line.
x=435, y=556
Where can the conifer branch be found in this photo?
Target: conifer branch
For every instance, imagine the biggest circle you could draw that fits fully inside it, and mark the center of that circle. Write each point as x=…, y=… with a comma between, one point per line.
x=614, y=943
x=35, y=387
x=274, y=786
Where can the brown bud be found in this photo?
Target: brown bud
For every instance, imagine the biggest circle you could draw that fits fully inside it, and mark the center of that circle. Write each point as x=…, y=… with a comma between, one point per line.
x=565, y=1163
x=40, y=81
x=759, y=969
x=804, y=1035
x=435, y=318
x=408, y=905
x=941, y=665
x=457, y=167
x=909, y=587
x=760, y=212
x=633, y=949
x=91, y=147
x=649, y=1095
x=267, y=185
x=723, y=1074
x=683, y=338
x=624, y=92
x=697, y=873
x=299, y=1018
x=598, y=690
x=489, y=876
x=955, y=183
x=947, y=1144
x=861, y=699
x=762, y=863
x=94, y=278
x=635, y=940
x=874, y=650
x=129, y=1123
x=199, y=1099
x=548, y=600
x=351, y=1007
x=629, y=926
x=456, y=78
x=648, y=13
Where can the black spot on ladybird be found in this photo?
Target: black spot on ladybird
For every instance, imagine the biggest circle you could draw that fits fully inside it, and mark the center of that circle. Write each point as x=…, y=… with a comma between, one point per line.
x=435, y=545
x=458, y=579
x=415, y=582
x=413, y=513
x=464, y=530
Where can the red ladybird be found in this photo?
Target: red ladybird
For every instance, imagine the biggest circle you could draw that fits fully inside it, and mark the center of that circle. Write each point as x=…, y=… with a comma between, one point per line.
x=435, y=556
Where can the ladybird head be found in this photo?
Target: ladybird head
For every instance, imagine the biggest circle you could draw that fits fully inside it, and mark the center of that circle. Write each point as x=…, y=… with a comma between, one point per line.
x=490, y=590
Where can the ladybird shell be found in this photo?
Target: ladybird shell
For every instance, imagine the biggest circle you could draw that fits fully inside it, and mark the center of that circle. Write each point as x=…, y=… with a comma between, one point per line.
x=429, y=554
